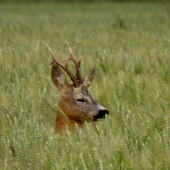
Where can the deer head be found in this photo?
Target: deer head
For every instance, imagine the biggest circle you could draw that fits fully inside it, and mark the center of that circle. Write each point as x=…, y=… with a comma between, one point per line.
x=75, y=100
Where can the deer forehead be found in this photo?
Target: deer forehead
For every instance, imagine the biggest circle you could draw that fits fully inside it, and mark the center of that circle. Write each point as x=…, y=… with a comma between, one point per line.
x=78, y=90
x=81, y=92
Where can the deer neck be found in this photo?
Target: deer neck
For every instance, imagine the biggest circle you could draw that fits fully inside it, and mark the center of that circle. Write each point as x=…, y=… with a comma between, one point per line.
x=62, y=123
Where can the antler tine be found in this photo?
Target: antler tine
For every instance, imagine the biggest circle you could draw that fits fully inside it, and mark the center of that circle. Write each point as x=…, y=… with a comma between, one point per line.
x=77, y=64
x=73, y=78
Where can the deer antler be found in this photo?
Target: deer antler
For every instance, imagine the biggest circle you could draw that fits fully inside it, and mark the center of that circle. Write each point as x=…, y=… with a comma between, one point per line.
x=77, y=64
x=65, y=67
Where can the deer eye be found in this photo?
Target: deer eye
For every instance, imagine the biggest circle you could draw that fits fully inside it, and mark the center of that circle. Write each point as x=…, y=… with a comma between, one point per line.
x=81, y=100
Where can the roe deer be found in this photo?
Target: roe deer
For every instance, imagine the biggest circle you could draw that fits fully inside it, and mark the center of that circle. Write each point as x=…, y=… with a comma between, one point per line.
x=75, y=101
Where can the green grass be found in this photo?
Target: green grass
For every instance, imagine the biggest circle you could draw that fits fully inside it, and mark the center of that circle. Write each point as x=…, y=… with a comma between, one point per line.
x=129, y=44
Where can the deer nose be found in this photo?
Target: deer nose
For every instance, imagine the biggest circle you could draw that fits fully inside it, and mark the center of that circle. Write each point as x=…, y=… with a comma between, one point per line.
x=101, y=114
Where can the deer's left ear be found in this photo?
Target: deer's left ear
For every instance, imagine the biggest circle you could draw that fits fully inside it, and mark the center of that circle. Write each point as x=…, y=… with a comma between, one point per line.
x=87, y=80
x=59, y=78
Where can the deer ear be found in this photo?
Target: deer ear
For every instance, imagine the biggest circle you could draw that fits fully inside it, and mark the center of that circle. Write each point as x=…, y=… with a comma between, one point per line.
x=59, y=78
x=87, y=80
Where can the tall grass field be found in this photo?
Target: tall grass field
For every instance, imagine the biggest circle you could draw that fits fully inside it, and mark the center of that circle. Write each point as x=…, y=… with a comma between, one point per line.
x=130, y=45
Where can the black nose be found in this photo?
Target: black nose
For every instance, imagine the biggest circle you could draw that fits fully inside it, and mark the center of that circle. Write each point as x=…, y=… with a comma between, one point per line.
x=101, y=114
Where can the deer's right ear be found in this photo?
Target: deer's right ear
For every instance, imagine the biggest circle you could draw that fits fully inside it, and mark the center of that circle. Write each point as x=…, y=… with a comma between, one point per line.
x=59, y=78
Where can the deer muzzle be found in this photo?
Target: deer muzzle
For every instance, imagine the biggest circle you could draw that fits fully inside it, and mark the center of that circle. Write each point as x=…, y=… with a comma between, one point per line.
x=101, y=114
